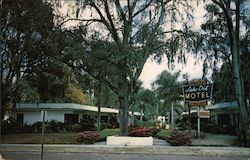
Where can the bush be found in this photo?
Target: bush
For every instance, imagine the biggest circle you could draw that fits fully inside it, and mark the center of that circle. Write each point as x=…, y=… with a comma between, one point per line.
x=88, y=123
x=50, y=126
x=37, y=127
x=211, y=128
x=87, y=137
x=178, y=138
x=24, y=128
x=9, y=126
x=76, y=128
x=106, y=126
x=54, y=126
x=142, y=132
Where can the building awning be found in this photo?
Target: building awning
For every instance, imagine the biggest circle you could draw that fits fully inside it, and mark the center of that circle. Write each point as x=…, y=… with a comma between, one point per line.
x=223, y=105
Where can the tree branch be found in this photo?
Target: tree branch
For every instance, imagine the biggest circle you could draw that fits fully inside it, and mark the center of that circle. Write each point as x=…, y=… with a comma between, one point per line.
x=142, y=9
x=119, y=8
x=82, y=20
x=113, y=29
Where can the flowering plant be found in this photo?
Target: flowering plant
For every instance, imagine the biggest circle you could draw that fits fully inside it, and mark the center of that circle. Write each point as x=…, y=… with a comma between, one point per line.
x=87, y=137
x=178, y=138
x=141, y=132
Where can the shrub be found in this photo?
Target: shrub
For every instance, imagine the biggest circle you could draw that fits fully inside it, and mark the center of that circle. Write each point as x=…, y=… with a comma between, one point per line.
x=9, y=126
x=211, y=128
x=24, y=128
x=106, y=126
x=87, y=137
x=76, y=128
x=178, y=138
x=142, y=132
x=54, y=126
x=37, y=127
x=88, y=123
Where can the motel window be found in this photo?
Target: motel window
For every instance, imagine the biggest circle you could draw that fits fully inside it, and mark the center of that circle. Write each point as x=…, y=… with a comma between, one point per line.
x=19, y=118
x=71, y=118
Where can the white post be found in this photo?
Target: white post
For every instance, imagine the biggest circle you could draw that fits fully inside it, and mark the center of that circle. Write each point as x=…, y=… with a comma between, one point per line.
x=172, y=115
x=199, y=123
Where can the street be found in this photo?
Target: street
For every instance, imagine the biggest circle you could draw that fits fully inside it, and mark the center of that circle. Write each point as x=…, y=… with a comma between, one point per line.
x=108, y=156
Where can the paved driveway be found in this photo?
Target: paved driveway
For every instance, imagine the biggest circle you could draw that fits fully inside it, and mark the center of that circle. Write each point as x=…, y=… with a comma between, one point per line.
x=107, y=156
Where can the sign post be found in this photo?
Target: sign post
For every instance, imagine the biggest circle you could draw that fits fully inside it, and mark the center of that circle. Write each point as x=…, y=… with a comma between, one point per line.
x=43, y=128
x=197, y=93
x=198, y=121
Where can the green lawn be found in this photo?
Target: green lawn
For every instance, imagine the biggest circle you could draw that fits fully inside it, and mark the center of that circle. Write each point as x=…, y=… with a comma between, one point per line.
x=215, y=140
x=50, y=138
x=209, y=140
x=35, y=138
x=163, y=134
x=69, y=138
x=108, y=132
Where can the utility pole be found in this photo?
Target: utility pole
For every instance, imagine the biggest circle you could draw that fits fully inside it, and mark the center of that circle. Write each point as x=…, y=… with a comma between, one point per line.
x=172, y=115
x=43, y=128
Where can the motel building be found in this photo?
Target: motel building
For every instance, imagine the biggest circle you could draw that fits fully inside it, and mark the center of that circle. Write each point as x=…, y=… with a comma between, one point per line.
x=31, y=113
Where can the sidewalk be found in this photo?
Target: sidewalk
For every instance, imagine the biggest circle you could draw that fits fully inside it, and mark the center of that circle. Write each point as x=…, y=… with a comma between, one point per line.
x=155, y=150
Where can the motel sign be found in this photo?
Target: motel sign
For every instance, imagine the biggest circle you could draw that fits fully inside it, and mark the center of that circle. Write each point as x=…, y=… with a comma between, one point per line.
x=197, y=93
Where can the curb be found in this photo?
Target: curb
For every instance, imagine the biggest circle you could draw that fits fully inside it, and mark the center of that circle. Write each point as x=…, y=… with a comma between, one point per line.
x=155, y=150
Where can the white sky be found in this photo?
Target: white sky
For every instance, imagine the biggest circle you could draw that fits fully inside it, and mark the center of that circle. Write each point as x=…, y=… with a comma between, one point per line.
x=151, y=69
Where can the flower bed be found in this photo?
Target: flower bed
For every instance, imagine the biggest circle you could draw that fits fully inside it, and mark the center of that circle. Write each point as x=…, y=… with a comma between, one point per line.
x=142, y=132
x=178, y=138
x=87, y=137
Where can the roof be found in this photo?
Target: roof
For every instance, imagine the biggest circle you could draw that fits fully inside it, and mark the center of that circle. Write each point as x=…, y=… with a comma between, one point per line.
x=223, y=105
x=66, y=106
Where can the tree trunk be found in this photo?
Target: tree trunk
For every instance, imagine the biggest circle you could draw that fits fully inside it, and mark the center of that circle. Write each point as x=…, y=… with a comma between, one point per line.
x=99, y=107
x=172, y=115
x=99, y=116
x=123, y=115
x=241, y=99
x=141, y=114
x=233, y=33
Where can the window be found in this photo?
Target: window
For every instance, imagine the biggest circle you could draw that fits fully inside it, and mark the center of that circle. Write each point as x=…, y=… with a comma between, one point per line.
x=71, y=118
x=19, y=118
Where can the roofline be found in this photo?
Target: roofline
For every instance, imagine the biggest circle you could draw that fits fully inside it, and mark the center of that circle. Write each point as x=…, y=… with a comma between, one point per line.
x=67, y=106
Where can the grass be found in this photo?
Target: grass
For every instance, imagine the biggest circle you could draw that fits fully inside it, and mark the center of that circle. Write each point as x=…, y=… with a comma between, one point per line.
x=50, y=138
x=215, y=140
x=209, y=140
x=35, y=138
x=69, y=138
x=108, y=132
x=163, y=134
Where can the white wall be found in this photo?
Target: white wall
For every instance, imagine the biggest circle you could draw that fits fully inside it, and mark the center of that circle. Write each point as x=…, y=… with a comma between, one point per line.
x=31, y=117
x=57, y=115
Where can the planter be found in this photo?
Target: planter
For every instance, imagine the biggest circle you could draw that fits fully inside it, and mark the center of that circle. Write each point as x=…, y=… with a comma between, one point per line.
x=129, y=141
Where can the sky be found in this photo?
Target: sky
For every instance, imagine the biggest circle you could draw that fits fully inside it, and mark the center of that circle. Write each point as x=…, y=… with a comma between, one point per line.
x=152, y=69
